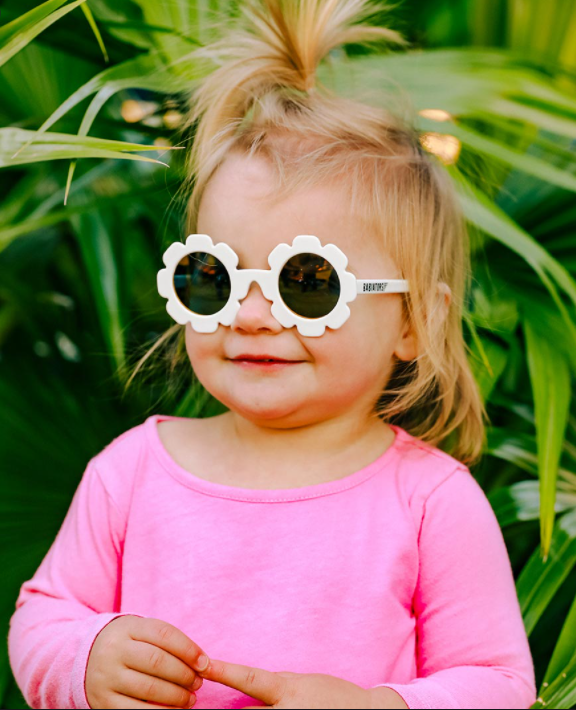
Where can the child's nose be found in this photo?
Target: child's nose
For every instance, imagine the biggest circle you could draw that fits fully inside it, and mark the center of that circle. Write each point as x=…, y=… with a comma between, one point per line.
x=255, y=312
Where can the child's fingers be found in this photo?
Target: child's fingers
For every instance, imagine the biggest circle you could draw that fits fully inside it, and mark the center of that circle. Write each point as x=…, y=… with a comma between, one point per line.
x=125, y=701
x=152, y=689
x=164, y=635
x=258, y=683
x=147, y=658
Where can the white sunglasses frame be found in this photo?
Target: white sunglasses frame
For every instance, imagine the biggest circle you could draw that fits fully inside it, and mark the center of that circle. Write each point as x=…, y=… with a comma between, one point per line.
x=241, y=279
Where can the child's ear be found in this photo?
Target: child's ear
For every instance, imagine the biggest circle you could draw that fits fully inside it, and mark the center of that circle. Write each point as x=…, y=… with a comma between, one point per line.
x=407, y=348
x=444, y=299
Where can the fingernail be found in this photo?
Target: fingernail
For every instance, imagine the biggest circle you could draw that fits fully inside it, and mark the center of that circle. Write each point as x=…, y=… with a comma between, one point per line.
x=202, y=663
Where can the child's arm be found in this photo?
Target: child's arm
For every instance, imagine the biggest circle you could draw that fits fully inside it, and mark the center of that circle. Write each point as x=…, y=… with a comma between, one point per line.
x=472, y=647
x=69, y=600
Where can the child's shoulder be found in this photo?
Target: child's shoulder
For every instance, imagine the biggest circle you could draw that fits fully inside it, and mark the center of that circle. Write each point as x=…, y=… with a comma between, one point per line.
x=128, y=452
x=426, y=467
x=124, y=447
x=118, y=462
x=443, y=490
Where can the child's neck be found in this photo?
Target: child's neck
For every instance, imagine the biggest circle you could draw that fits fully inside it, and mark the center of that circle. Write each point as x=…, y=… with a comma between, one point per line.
x=266, y=457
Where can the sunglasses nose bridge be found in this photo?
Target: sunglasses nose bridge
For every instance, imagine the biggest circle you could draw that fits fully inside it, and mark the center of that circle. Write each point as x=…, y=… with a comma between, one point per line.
x=261, y=276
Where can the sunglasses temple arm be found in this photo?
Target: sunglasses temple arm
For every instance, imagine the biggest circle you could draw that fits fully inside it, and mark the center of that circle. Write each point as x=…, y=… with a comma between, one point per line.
x=382, y=286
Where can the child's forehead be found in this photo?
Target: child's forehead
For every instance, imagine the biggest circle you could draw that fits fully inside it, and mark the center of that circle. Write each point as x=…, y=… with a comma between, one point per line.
x=240, y=208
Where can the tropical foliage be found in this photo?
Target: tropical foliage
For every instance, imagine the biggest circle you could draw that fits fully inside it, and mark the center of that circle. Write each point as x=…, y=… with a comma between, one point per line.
x=80, y=241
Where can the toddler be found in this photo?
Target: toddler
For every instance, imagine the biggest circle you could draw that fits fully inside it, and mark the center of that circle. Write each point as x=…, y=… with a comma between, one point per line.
x=313, y=546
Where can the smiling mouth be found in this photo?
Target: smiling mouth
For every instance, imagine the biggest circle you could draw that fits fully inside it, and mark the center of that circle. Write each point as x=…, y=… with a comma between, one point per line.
x=246, y=359
x=250, y=359
x=265, y=363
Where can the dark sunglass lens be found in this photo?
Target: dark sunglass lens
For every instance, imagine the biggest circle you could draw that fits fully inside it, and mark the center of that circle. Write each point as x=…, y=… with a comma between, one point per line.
x=202, y=283
x=309, y=285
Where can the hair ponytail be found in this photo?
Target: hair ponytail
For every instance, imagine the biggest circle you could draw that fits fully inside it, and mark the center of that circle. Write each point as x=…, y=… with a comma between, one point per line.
x=271, y=52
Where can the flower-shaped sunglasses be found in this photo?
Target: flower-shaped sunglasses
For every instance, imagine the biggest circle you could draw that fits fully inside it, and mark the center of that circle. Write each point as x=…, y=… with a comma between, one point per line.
x=307, y=283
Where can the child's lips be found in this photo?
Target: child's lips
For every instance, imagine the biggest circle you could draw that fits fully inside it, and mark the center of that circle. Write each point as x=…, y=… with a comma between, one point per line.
x=263, y=356
x=265, y=365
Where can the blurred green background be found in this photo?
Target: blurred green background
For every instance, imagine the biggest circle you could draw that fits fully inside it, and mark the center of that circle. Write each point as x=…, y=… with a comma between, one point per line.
x=87, y=210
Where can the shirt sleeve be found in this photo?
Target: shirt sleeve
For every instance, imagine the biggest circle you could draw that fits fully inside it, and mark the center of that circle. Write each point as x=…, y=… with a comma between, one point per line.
x=73, y=595
x=472, y=648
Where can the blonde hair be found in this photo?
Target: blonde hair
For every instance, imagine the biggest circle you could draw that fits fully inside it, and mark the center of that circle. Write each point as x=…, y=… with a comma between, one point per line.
x=265, y=99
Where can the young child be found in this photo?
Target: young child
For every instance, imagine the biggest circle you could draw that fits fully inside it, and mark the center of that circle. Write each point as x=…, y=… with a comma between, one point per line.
x=314, y=538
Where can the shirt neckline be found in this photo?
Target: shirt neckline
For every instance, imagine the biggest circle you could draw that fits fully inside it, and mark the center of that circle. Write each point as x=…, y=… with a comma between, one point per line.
x=265, y=495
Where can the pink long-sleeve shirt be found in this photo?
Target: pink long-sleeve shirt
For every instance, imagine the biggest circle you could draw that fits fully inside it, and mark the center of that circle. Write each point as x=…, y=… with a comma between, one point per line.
x=396, y=575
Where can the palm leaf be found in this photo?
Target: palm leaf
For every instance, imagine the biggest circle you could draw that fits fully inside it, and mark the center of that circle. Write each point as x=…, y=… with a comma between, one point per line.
x=564, y=649
x=520, y=502
x=513, y=446
x=499, y=152
x=101, y=258
x=52, y=146
x=540, y=579
x=17, y=34
x=144, y=72
x=92, y=22
x=550, y=378
x=561, y=693
x=485, y=215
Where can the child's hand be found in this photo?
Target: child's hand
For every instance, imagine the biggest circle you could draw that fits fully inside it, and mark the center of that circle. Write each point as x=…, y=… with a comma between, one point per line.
x=135, y=659
x=289, y=690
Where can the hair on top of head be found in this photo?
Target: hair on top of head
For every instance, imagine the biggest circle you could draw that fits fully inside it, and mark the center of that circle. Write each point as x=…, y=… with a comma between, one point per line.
x=267, y=72
x=264, y=98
